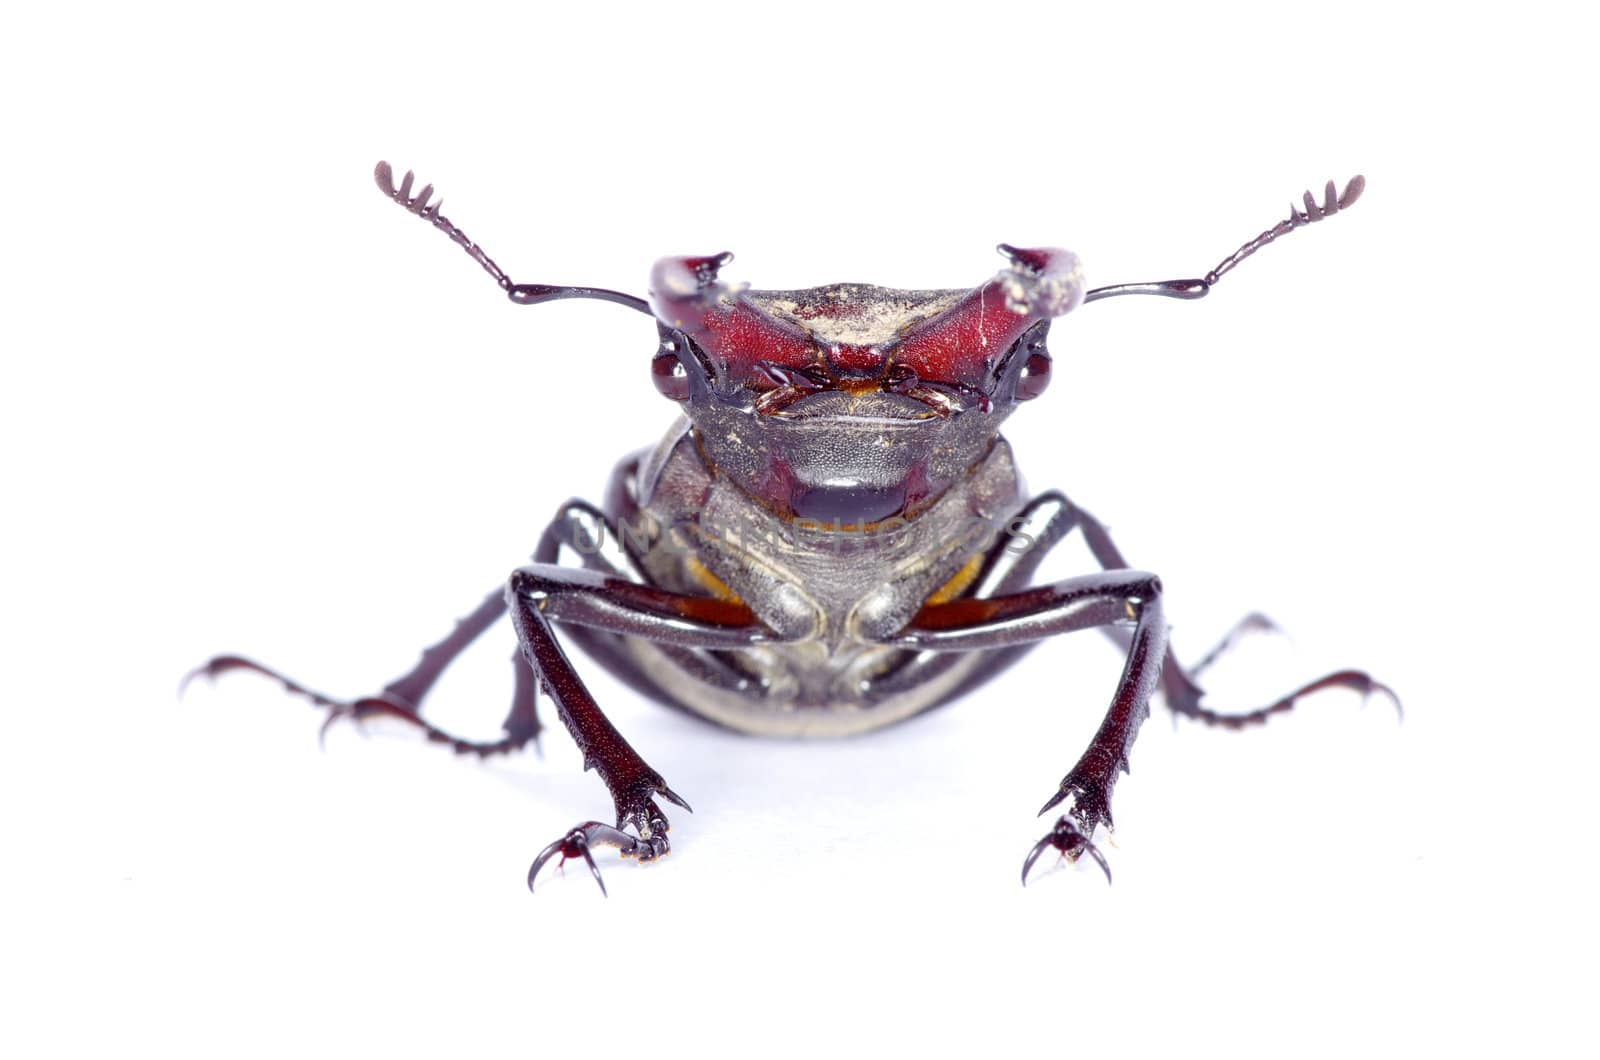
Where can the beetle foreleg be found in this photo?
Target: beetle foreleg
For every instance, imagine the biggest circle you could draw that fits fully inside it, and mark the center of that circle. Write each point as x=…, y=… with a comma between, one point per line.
x=1034, y=614
x=542, y=594
x=994, y=600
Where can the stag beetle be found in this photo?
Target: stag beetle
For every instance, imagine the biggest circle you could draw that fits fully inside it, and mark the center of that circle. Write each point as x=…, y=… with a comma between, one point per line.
x=831, y=538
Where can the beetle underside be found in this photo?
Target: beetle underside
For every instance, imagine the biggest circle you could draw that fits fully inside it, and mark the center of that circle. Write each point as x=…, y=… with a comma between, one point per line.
x=833, y=538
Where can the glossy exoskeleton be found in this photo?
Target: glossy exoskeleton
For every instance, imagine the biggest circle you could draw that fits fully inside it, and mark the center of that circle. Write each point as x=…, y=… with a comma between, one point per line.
x=831, y=538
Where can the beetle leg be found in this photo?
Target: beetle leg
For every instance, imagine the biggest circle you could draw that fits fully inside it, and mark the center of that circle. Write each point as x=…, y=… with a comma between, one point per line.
x=1045, y=522
x=1039, y=527
x=574, y=525
x=1001, y=615
x=576, y=844
x=402, y=697
x=1254, y=622
x=543, y=594
x=1066, y=838
x=520, y=727
x=1183, y=696
x=606, y=599
x=1032, y=615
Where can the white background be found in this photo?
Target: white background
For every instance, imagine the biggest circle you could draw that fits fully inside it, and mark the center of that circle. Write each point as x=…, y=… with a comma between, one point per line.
x=251, y=407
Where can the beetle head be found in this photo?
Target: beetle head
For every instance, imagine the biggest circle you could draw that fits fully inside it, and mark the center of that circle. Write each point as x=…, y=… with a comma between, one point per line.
x=851, y=404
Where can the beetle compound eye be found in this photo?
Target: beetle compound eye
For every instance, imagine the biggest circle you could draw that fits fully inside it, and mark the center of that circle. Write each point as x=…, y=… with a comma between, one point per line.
x=1035, y=376
x=669, y=376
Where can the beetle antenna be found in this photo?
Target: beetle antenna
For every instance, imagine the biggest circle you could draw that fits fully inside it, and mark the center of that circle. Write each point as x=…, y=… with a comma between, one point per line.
x=520, y=293
x=1332, y=202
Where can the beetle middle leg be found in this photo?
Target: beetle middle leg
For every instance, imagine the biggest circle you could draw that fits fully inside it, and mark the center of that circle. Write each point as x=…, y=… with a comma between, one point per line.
x=576, y=525
x=402, y=698
x=1182, y=694
x=1043, y=524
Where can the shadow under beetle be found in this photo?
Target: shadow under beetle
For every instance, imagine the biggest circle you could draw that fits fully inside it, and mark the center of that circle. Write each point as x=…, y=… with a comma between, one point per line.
x=832, y=537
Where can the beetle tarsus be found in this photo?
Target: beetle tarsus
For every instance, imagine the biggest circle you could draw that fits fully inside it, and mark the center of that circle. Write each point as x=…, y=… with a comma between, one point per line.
x=575, y=844
x=1185, y=699
x=1089, y=787
x=580, y=839
x=637, y=810
x=521, y=728
x=1070, y=838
